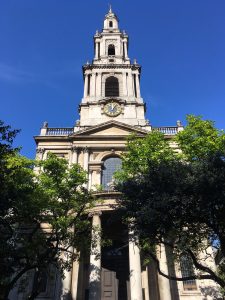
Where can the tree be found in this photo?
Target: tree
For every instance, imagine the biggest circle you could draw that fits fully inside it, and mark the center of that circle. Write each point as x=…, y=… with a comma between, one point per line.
x=177, y=199
x=43, y=217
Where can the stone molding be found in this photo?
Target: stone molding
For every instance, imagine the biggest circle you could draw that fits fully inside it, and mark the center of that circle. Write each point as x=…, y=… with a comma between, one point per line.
x=40, y=150
x=112, y=66
x=95, y=213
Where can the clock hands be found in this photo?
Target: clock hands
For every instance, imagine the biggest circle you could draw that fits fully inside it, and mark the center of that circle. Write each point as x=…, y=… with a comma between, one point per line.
x=112, y=109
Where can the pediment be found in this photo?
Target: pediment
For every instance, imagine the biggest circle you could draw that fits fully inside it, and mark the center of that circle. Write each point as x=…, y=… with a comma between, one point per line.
x=111, y=128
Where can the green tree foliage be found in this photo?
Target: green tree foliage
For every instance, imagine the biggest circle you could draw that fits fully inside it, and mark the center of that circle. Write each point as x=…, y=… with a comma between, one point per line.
x=200, y=139
x=42, y=205
x=177, y=198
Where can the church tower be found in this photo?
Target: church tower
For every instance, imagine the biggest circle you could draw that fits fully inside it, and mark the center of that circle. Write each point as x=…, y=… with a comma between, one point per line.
x=111, y=81
x=111, y=109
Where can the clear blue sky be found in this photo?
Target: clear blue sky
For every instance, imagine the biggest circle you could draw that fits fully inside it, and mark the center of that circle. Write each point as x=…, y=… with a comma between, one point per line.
x=43, y=44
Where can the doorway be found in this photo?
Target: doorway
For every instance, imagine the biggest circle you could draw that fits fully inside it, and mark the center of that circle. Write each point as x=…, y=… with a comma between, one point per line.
x=115, y=260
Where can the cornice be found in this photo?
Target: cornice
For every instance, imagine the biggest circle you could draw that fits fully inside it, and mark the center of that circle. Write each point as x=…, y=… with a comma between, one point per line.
x=111, y=66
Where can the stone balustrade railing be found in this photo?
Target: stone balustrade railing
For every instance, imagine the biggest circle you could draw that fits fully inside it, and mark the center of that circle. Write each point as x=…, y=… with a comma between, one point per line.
x=59, y=131
x=171, y=130
x=167, y=130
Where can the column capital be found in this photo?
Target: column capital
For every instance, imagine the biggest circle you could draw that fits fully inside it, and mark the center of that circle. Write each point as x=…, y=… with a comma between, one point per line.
x=74, y=149
x=40, y=150
x=86, y=150
x=95, y=213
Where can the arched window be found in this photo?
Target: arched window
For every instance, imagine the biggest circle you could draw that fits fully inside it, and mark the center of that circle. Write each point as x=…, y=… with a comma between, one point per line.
x=186, y=267
x=110, y=24
x=111, y=50
x=111, y=165
x=112, y=87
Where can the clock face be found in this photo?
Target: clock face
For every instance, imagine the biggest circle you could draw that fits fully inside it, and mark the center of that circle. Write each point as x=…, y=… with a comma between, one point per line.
x=112, y=109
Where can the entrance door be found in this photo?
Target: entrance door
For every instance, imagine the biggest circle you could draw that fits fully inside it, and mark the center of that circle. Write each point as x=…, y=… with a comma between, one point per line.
x=114, y=259
x=115, y=274
x=109, y=285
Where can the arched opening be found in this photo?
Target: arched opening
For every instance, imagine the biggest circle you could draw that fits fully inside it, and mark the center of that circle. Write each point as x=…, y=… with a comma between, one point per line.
x=111, y=50
x=186, y=267
x=110, y=23
x=112, y=87
x=111, y=165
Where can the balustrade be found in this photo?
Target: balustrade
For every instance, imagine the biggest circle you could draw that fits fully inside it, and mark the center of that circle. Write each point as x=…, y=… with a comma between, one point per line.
x=59, y=131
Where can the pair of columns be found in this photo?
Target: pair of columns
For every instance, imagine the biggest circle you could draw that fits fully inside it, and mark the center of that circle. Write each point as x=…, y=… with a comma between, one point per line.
x=95, y=264
x=92, y=84
x=134, y=266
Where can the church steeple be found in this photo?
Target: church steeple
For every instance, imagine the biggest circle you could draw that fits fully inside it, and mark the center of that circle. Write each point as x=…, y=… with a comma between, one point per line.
x=111, y=21
x=111, y=82
x=111, y=45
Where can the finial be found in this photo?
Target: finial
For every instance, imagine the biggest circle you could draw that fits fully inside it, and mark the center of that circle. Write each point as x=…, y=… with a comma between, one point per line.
x=179, y=124
x=110, y=8
x=45, y=124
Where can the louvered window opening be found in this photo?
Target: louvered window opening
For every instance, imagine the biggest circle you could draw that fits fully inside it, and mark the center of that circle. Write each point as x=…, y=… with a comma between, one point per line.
x=112, y=87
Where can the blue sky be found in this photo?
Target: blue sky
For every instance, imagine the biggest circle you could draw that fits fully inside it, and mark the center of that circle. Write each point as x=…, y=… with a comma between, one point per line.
x=179, y=43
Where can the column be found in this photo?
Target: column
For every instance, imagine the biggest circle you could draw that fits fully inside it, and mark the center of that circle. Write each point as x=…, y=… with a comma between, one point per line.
x=90, y=174
x=85, y=85
x=66, y=281
x=138, y=86
x=74, y=155
x=98, y=84
x=164, y=284
x=96, y=50
x=95, y=259
x=124, y=84
x=130, y=85
x=40, y=153
x=125, y=49
x=74, y=281
x=92, y=91
x=135, y=269
x=86, y=158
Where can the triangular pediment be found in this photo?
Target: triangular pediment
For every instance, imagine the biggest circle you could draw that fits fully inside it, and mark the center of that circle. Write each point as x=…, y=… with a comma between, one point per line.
x=111, y=128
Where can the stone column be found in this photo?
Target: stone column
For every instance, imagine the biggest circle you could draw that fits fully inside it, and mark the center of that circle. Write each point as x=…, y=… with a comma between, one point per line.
x=95, y=259
x=96, y=50
x=125, y=84
x=74, y=282
x=86, y=158
x=66, y=282
x=135, y=269
x=98, y=174
x=125, y=49
x=85, y=85
x=130, y=85
x=164, y=284
x=74, y=155
x=138, y=86
x=40, y=153
x=98, y=84
x=92, y=91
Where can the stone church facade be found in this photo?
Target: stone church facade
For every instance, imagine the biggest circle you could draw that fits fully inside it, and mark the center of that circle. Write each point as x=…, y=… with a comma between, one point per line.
x=111, y=109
